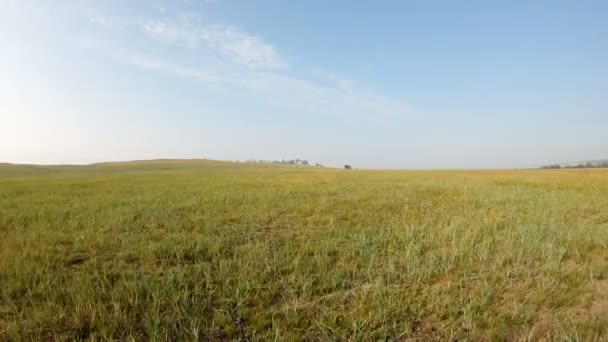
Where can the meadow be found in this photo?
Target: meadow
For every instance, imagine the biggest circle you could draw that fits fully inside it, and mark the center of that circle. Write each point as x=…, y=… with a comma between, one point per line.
x=204, y=250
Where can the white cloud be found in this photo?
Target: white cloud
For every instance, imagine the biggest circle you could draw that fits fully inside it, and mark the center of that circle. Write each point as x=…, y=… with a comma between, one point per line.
x=242, y=48
x=245, y=61
x=174, y=69
x=110, y=23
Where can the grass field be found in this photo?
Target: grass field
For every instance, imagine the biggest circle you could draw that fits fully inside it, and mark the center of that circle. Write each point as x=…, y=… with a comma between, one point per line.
x=201, y=250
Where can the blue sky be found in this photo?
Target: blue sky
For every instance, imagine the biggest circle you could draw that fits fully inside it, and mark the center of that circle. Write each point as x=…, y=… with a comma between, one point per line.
x=382, y=84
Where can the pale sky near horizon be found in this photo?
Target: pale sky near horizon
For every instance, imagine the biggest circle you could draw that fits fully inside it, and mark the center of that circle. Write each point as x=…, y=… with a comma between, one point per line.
x=376, y=84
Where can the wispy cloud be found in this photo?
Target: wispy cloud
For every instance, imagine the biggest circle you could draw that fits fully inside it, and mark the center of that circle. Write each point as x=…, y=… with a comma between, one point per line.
x=249, y=62
x=110, y=23
x=174, y=69
x=230, y=42
x=242, y=48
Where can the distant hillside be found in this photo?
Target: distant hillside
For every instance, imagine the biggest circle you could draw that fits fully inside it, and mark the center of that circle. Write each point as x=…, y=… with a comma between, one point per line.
x=7, y=168
x=140, y=165
x=598, y=163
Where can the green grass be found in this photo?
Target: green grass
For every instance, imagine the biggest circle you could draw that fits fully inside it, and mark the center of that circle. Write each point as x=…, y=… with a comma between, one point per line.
x=201, y=250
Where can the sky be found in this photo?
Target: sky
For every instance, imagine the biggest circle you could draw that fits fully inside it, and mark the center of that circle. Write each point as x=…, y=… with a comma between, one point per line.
x=374, y=84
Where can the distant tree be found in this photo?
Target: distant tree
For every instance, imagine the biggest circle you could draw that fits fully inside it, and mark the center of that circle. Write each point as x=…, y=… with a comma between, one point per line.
x=347, y=167
x=304, y=162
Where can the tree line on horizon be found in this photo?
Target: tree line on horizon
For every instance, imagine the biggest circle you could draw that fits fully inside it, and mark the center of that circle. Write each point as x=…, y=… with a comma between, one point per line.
x=587, y=165
x=296, y=161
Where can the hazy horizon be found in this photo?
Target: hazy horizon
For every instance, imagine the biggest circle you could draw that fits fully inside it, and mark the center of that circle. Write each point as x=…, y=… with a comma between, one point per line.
x=378, y=85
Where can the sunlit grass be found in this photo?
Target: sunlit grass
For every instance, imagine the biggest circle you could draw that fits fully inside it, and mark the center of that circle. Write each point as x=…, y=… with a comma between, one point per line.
x=210, y=250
